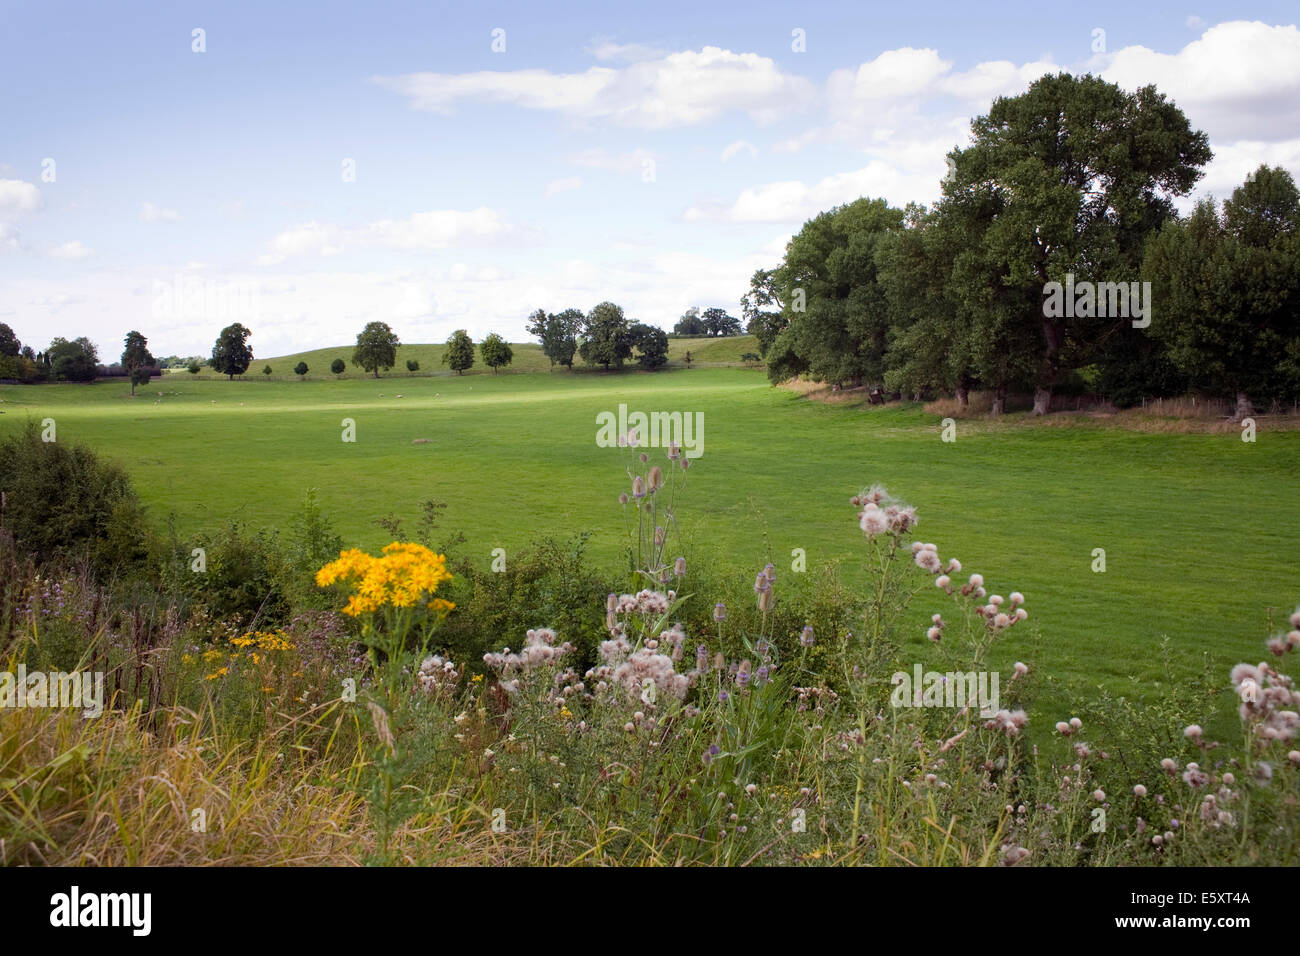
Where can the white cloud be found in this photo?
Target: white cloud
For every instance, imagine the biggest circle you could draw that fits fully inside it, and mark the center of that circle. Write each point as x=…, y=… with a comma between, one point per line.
x=562, y=185
x=75, y=249
x=10, y=240
x=604, y=48
x=151, y=213
x=1239, y=80
x=679, y=89
x=1195, y=23
x=17, y=196
x=735, y=149
x=422, y=231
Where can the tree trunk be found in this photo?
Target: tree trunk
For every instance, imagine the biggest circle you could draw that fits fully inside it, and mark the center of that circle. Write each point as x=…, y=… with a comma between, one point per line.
x=376, y=371
x=999, y=399
x=1048, y=369
x=1245, y=409
x=1042, y=400
x=963, y=397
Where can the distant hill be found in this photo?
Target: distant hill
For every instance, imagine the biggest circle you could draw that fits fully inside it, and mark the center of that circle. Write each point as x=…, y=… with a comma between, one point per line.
x=528, y=358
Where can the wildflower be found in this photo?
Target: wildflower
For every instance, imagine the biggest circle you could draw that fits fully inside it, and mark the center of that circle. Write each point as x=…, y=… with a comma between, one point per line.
x=1192, y=732
x=719, y=612
x=679, y=567
x=656, y=478
x=1099, y=795
x=806, y=636
x=623, y=498
x=1021, y=669
x=873, y=521
x=742, y=674
x=1139, y=791
x=638, y=487
x=751, y=788
x=934, y=634
x=927, y=559
x=942, y=581
x=1169, y=765
x=1194, y=776
x=701, y=658
x=1076, y=723
x=977, y=580
x=1063, y=728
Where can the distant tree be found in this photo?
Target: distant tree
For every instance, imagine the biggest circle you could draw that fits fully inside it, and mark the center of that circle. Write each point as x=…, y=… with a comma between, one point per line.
x=136, y=355
x=266, y=370
x=74, y=361
x=496, y=352
x=690, y=323
x=193, y=367
x=459, y=354
x=718, y=323
x=606, y=336
x=300, y=369
x=751, y=358
x=557, y=334
x=651, y=344
x=231, y=355
x=27, y=353
x=338, y=366
x=9, y=344
x=688, y=359
x=412, y=366
x=139, y=376
x=376, y=348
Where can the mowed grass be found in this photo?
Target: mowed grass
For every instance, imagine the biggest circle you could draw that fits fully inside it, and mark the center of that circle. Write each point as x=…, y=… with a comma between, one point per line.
x=1201, y=531
x=528, y=357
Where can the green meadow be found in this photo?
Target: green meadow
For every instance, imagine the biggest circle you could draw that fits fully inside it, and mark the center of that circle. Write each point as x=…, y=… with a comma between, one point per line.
x=1201, y=532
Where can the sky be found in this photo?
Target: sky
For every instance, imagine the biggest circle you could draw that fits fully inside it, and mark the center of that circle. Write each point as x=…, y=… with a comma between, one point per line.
x=306, y=168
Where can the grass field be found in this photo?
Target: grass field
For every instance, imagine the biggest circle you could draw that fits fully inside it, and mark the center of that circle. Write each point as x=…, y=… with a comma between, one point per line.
x=1201, y=531
x=528, y=357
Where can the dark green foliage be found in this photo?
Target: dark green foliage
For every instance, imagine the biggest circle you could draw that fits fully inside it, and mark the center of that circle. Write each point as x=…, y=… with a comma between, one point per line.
x=63, y=503
x=460, y=352
x=376, y=348
x=231, y=355
x=651, y=344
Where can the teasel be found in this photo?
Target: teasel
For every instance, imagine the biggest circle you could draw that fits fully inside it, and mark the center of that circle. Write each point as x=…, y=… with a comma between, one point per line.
x=719, y=612
x=806, y=638
x=659, y=537
x=656, y=478
x=766, y=599
x=719, y=662
x=742, y=673
x=623, y=499
x=702, y=659
x=673, y=451
x=638, y=487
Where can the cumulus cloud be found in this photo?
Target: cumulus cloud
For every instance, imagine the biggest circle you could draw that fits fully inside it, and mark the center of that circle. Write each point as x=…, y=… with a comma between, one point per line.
x=422, y=231
x=17, y=196
x=1239, y=80
x=677, y=89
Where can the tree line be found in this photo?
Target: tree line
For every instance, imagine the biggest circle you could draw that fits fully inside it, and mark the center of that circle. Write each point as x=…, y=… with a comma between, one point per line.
x=1054, y=257
x=604, y=336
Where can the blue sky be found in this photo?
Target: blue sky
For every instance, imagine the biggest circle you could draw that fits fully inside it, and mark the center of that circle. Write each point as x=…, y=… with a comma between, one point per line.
x=651, y=154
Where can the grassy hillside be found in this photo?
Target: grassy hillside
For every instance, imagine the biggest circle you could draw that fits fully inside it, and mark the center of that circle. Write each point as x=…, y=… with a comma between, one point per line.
x=528, y=357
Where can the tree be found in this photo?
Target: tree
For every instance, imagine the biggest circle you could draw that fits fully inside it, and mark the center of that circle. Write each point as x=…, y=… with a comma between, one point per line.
x=1068, y=178
x=338, y=366
x=376, y=348
x=266, y=370
x=74, y=361
x=136, y=355
x=606, y=337
x=193, y=367
x=496, y=352
x=139, y=376
x=231, y=355
x=9, y=344
x=1229, y=289
x=690, y=323
x=459, y=354
x=300, y=369
x=412, y=366
x=651, y=344
x=836, y=321
x=717, y=322
x=557, y=334
x=761, y=321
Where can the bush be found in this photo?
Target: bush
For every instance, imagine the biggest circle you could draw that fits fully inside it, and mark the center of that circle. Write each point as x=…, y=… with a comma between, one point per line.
x=61, y=502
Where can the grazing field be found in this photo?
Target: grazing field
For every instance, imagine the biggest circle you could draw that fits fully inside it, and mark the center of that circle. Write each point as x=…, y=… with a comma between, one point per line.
x=1201, y=531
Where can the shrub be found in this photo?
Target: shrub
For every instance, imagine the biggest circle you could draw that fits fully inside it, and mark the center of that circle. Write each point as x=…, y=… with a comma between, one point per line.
x=62, y=502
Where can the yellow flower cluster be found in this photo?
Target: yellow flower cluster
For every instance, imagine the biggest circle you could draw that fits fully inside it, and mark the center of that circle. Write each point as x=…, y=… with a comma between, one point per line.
x=263, y=640
x=405, y=575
